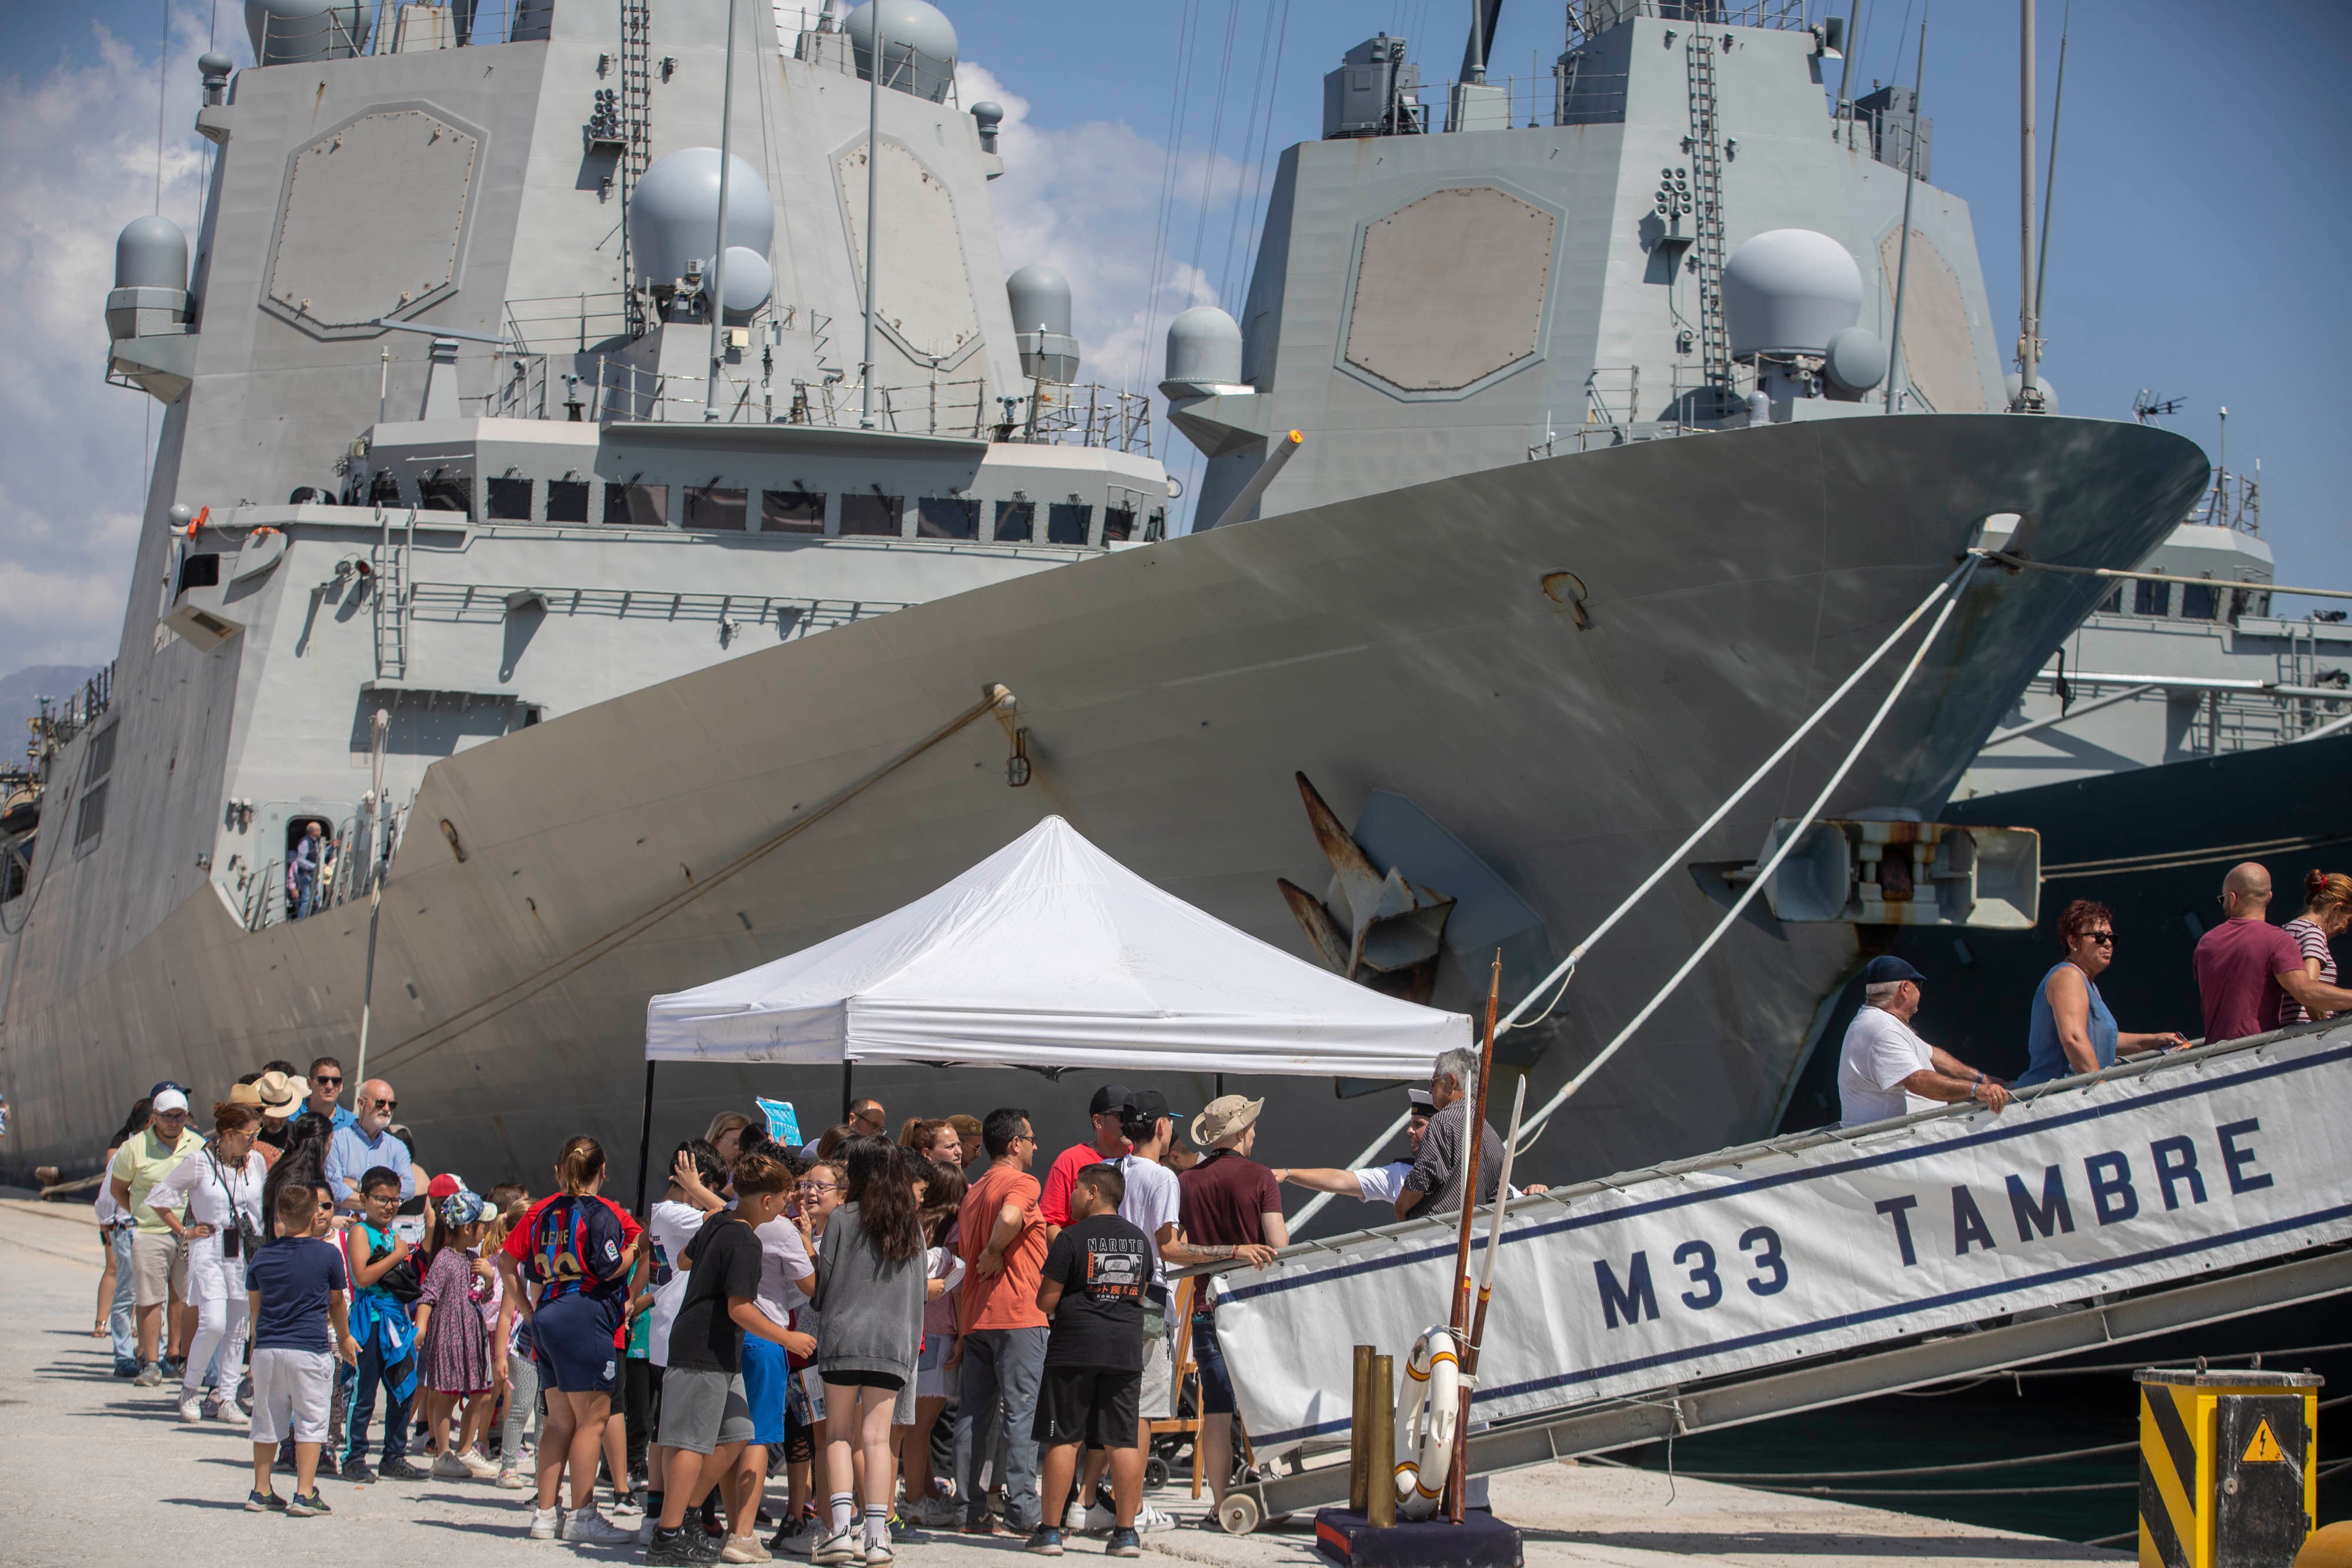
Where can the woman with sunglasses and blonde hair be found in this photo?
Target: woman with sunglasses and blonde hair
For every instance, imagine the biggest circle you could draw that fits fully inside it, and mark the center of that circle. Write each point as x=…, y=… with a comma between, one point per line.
x=2326, y=915
x=2072, y=1031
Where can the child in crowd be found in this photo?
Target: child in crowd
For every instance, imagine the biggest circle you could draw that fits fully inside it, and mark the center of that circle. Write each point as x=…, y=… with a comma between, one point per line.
x=1092, y=1288
x=870, y=1282
x=453, y=1344
x=373, y=1252
x=706, y=1417
x=296, y=1288
x=697, y=1173
x=517, y=1368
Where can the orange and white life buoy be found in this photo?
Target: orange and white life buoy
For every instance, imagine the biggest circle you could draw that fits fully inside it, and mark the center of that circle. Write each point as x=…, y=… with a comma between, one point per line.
x=1426, y=1407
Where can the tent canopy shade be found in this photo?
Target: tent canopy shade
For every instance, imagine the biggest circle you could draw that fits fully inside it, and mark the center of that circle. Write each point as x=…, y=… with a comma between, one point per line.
x=1049, y=954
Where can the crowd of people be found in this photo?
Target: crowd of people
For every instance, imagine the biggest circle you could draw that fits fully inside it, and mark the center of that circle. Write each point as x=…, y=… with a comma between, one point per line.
x=761, y=1364
x=2252, y=977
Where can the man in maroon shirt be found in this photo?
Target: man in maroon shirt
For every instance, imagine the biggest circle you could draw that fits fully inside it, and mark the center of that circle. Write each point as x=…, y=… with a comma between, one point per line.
x=2247, y=968
x=1229, y=1205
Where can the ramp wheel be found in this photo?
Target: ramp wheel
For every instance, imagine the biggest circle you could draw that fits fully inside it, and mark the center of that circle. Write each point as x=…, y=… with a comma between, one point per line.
x=1238, y=1513
x=1155, y=1469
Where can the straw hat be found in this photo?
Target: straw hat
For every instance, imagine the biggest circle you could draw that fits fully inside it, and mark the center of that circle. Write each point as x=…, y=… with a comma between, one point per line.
x=1227, y=1116
x=281, y=1096
x=245, y=1094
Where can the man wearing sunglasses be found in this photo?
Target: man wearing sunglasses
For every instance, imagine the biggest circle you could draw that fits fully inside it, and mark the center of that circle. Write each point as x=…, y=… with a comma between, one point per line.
x=326, y=1091
x=159, y=1260
x=368, y=1142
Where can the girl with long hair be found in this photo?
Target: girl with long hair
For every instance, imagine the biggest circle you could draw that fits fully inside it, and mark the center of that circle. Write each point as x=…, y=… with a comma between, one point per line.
x=942, y=1184
x=870, y=1287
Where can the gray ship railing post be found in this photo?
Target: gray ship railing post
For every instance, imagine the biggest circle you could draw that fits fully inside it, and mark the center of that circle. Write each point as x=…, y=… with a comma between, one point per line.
x=873, y=223
x=716, y=302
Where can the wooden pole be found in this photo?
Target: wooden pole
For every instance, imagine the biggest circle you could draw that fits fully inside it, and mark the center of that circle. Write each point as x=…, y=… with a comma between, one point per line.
x=1359, y=1445
x=1486, y=1276
x=1380, y=1461
x=1471, y=1170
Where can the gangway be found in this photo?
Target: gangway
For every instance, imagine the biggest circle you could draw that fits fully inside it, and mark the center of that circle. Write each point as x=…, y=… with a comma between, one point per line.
x=1811, y=1270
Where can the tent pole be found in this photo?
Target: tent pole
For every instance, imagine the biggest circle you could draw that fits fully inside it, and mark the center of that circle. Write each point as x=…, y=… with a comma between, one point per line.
x=646, y=1137
x=847, y=1070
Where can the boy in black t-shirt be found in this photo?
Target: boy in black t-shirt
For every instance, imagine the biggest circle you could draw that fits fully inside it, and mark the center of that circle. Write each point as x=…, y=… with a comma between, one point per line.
x=296, y=1298
x=1092, y=1288
x=706, y=1418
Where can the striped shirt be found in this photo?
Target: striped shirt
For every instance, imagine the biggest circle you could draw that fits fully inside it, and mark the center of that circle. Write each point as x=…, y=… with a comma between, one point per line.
x=2313, y=943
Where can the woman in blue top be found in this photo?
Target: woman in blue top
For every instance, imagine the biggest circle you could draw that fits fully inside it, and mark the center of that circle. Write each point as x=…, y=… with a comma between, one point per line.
x=2072, y=1030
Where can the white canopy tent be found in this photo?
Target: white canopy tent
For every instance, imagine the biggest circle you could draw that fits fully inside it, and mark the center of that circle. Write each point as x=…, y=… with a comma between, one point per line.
x=1049, y=954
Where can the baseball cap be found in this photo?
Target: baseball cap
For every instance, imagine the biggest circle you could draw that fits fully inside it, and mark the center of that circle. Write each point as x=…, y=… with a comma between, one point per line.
x=167, y=1099
x=1150, y=1106
x=181, y=1089
x=445, y=1185
x=1887, y=968
x=1112, y=1097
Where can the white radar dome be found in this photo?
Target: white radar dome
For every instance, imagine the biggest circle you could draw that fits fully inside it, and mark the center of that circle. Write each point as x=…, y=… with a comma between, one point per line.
x=674, y=212
x=1789, y=291
x=750, y=280
x=1040, y=297
x=1857, y=360
x=919, y=45
x=291, y=32
x=1204, y=347
x=2013, y=383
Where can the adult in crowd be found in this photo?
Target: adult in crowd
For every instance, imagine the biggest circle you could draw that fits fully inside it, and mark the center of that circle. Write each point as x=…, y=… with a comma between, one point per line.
x=2326, y=913
x=969, y=1139
x=280, y=1098
x=866, y=1120
x=1109, y=1110
x=220, y=1188
x=304, y=863
x=158, y=1258
x=1229, y=1206
x=323, y=1091
x=725, y=1135
x=302, y=1163
x=2069, y=1029
x=118, y=1291
x=565, y=1265
x=1436, y=1183
x=870, y=1288
x=936, y=1141
x=1886, y=1070
x=1373, y=1183
x=385, y=1281
x=1000, y=1345
x=2248, y=970
x=366, y=1144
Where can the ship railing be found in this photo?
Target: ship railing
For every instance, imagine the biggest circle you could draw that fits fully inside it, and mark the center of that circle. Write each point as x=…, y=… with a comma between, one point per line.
x=546, y=323
x=1591, y=18
x=2231, y=501
x=1089, y=414
x=347, y=29
x=59, y=719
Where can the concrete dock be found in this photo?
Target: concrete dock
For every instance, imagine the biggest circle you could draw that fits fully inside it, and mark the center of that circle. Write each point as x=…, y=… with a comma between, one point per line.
x=88, y=1463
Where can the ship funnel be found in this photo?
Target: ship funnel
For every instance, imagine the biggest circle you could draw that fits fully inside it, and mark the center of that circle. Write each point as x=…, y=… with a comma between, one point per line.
x=293, y=31
x=1040, y=297
x=918, y=47
x=1205, y=353
x=674, y=214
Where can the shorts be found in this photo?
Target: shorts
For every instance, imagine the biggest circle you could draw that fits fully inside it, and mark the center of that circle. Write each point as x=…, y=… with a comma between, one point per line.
x=1086, y=1404
x=932, y=1379
x=574, y=1337
x=702, y=1410
x=292, y=1390
x=765, y=1375
x=1157, y=1398
x=1216, y=1383
x=158, y=1267
x=902, y=1412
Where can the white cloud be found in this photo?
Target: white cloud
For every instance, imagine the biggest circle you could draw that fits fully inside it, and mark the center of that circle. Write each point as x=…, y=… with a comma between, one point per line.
x=78, y=161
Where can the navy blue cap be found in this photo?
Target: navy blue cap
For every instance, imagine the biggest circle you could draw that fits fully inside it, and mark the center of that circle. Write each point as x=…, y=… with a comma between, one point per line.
x=1886, y=968
x=167, y=1084
x=1151, y=1105
x=1111, y=1097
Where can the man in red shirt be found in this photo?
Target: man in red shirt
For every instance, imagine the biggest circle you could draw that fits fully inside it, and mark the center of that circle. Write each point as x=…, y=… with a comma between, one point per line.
x=1001, y=1350
x=1229, y=1206
x=2247, y=968
x=1113, y=1102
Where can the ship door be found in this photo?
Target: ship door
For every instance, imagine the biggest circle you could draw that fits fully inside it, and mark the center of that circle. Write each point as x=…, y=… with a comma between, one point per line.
x=280, y=826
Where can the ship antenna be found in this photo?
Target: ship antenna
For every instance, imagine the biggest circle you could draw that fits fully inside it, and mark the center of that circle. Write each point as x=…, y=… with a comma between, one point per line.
x=1910, y=183
x=2050, y=177
x=716, y=303
x=2029, y=346
x=873, y=206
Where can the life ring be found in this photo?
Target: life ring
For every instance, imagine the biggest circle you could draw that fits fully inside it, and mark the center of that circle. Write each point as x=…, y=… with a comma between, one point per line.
x=1427, y=1406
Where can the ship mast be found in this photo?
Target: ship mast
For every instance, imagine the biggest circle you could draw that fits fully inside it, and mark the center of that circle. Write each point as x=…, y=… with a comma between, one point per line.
x=2029, y=394
x=716, y=304
x=873, y=208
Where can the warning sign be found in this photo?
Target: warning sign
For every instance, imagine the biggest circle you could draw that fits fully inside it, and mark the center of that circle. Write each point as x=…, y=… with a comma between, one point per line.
x=2264, y=1448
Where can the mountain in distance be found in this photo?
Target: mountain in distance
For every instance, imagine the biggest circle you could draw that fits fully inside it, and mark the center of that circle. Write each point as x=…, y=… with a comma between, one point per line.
x=17, y=704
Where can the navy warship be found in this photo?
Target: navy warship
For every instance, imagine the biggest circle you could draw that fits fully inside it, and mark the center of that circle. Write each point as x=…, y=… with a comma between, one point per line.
x=611, y=488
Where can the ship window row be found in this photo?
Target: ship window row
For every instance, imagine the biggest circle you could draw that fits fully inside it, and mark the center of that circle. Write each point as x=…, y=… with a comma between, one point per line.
x=2187, y=600
x=870, y=513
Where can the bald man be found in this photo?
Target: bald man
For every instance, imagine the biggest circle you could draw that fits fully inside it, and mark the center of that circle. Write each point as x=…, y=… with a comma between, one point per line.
x=2247, y=968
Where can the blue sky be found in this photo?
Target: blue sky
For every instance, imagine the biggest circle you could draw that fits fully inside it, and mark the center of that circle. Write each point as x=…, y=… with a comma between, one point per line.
x=2201, y=223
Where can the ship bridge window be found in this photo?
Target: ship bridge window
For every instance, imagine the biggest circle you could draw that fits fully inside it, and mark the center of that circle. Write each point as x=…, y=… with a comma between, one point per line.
x=1119, y=522
x=2151, y=598
x=635, y=506
x=947, y=517
x=2200, y=601
x=871, y=514
x=2111, y=605
x=716, y=510
x=1016, y=521
x=198, y=571
x=509, y=500
x=443, y=491
x=89, y=818
x=794, y=511
x=567, y=499
x=1068, y=523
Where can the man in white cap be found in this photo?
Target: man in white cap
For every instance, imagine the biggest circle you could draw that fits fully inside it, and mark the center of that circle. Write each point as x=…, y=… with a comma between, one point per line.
x=159, y=1260
x=1229, y=1205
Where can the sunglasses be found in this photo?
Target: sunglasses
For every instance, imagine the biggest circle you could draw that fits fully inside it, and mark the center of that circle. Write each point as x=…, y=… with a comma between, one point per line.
x=323, y=1079
x=383, y=1104
x=2103, y=938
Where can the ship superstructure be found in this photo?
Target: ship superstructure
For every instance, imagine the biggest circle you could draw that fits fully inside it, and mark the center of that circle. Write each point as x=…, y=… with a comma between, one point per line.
x=1598, y=490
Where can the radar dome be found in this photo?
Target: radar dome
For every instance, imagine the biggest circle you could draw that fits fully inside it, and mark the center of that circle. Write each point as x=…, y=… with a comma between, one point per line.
x=750, y=280
x=151, y=253
x=674, y=212
x=2014, y=384
x=987, y=116
x=1204, y=347
x=291, y=32
x=919, y=45
x=1857, y=360
x=1040, y=297
x=1789, y=291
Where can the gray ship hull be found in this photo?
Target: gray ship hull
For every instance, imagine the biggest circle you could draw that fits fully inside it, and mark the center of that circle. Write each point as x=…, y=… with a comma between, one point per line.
x=1399, y=642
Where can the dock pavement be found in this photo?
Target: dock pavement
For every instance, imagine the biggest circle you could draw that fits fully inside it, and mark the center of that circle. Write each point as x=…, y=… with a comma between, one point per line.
x=90, y=1465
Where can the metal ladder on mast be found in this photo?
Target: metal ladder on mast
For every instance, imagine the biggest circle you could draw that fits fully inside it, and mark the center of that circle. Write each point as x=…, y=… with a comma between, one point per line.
x=637, y=128
x=390, y=602
x=1706, y=143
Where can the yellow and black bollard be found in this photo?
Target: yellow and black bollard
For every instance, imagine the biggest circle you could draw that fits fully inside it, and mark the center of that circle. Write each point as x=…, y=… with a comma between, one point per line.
x=2226, y=1466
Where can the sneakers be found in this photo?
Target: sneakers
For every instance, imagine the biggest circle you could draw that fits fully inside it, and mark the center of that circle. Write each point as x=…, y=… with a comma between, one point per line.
x=1149, y=1519
x=400, y=1470
x=878, y=1553
x=327, y=1465
x=172, y=1367
x=702, y=1545
x=937, y=1513
x=685, y=1548
x=263, y=1501
x=150, y=1375
x=1074, y=1518
x=449, y=1468
x=477, y=1466
x=546, y=1523
x=795, y=1538
x=837, y=1546
x=303, y=1506
x=511, y=1479
x=1046, y=1542
x=192, y=1409
x=743, y=1548
x=981, y=1523
x=226, y=1413
x=357, y=1472
x=124, y=1366
x=590, y=1527
x=632, y=1503
x=1124, y=1544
